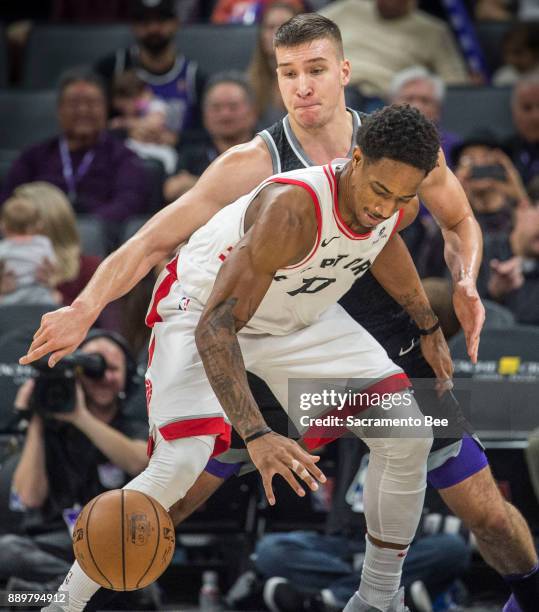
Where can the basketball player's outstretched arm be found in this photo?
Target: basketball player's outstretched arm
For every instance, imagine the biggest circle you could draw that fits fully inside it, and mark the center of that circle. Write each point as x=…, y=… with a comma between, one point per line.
x=283, y=233
x=234, y=173
x=443, y=195
x=395, y=270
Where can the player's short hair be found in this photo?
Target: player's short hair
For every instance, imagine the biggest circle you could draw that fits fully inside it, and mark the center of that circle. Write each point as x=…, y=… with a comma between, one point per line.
x=305, y=28
x=401, y=133
x=19, y=215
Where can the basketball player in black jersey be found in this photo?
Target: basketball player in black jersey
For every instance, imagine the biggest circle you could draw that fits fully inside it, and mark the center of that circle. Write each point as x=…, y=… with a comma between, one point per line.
x=312, y=74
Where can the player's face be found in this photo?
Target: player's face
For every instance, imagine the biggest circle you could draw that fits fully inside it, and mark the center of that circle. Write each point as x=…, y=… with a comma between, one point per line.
x=104, y=392
x=312, y=77
x=381, y=188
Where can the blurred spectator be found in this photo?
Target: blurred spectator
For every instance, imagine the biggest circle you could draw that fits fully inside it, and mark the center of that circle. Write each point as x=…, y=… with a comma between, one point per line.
x=248, y=11
x=98, y=172
x=495, y=10
x=490, y=180
x=528, y=9
x=533, y=189
x=22, y=252
x=524, y=146
x=69, y=457
x=520, y=54
x=510, y=270
x=229, y=119
x=157, y=61
x=144, y=119
x=426, y=92
x=262, y=71
x=73, y=269
x=382, y=37
x=321, y=572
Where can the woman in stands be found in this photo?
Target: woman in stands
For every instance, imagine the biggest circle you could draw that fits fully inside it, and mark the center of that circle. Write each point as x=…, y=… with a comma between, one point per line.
x=261, y=72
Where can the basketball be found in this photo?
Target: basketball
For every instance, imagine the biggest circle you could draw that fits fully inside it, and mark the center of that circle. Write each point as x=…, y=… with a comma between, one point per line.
x=123, y=539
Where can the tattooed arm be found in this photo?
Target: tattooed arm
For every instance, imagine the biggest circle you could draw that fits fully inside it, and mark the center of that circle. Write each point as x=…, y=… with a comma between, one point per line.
x=281, y=229
x=394, y=269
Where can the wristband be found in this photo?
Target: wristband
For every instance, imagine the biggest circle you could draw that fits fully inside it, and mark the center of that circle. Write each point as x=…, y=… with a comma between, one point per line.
x=430, y=330
x=258, y=434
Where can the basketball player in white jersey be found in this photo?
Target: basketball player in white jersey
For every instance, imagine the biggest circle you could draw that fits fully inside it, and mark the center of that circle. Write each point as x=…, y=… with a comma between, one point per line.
x=312, y=74
x=257, y=287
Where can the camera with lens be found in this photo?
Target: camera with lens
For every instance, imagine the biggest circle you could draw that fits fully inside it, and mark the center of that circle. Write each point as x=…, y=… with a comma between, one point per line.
x=55, y=388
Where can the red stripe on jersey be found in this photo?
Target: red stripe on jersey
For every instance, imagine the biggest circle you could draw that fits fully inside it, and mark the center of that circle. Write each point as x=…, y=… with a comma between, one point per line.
x=315, y=437
x=341, y=224
x=330, y=181
x=209, y=426
x=317, y=210
x=161, y=292
x=399, y=219
x=151, y=351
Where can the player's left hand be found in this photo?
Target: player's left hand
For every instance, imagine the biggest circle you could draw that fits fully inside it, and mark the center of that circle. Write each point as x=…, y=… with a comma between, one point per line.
x=470, y=313
x=275, y=454
x=436, y=353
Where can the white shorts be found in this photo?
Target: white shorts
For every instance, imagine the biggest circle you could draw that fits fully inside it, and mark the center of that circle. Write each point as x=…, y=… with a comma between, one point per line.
x=181, y=402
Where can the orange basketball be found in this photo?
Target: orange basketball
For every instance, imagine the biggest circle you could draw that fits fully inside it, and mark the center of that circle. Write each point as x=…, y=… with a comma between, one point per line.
x=123, y=539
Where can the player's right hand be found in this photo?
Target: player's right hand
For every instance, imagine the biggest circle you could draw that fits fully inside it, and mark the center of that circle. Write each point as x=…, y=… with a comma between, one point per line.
x=275, y=454
x=60, y=333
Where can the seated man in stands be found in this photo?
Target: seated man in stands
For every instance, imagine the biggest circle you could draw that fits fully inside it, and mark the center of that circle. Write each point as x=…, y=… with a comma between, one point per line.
x=156, y=60
x=425, y=91
x=524, y=145
x=99, y=174
x=229, y=119
x=67, y=459
x=382, y=37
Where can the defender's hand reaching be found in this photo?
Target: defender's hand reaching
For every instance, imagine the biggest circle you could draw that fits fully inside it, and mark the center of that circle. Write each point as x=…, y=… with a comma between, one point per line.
x=59, y=334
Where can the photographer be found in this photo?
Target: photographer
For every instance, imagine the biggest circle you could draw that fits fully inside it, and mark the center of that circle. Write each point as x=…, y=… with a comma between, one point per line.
x=68, y=458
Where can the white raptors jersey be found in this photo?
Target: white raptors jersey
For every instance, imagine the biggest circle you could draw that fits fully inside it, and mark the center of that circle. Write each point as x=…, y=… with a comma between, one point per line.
x=300, y=293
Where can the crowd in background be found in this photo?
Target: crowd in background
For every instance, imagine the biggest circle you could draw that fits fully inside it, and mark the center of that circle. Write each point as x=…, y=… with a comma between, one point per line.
x=137, y=127
x=145, y=110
